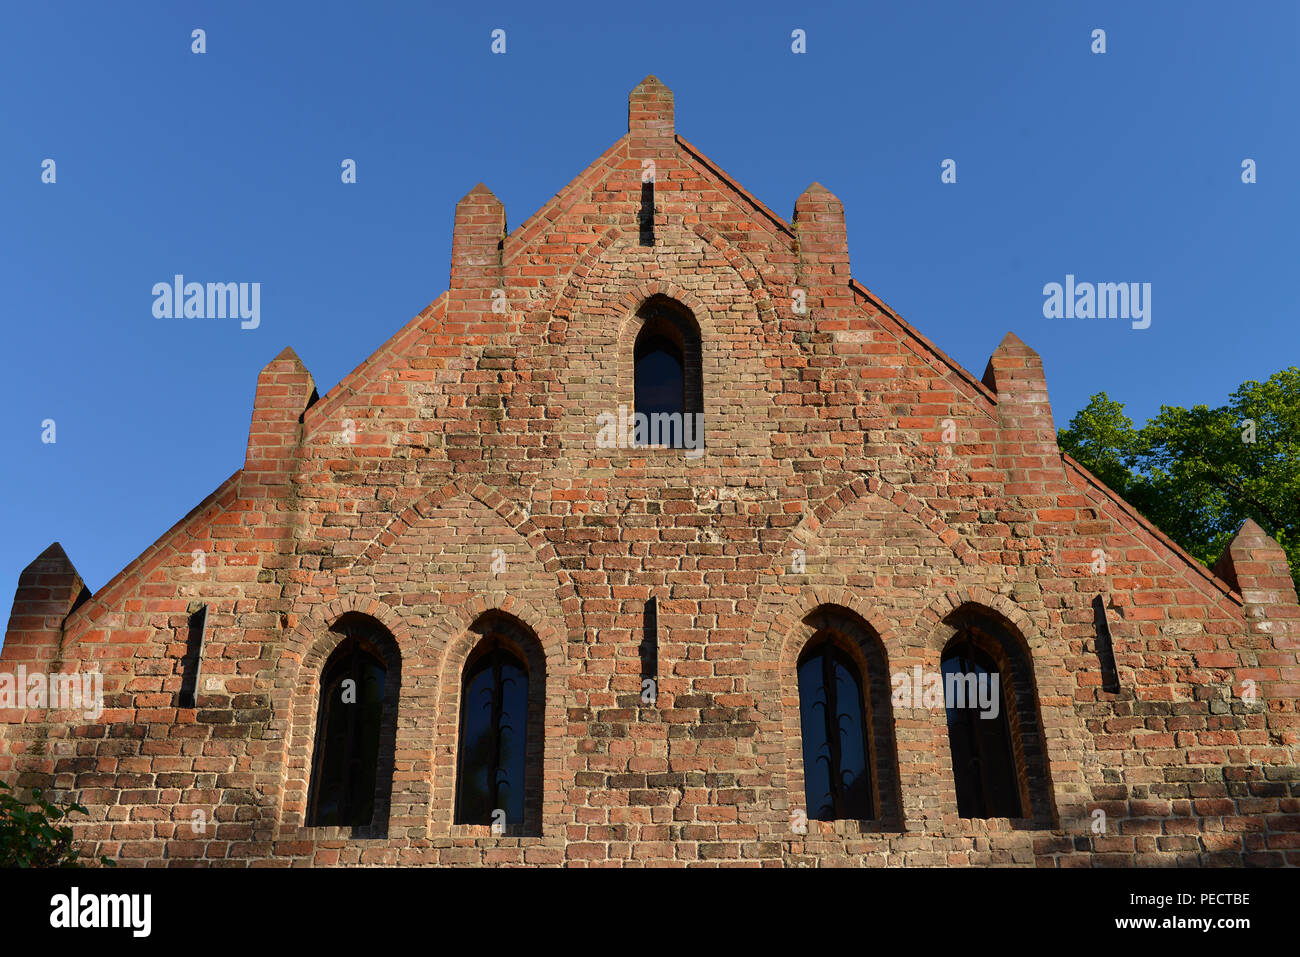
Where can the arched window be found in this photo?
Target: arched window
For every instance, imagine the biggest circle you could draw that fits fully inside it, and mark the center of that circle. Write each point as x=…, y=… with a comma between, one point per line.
x=836, y=764
x=502, y=697
x=979, y=732
x=846, y=727
x=667, y=377
x=999, y=761
x=354, y=724
x=660, y=372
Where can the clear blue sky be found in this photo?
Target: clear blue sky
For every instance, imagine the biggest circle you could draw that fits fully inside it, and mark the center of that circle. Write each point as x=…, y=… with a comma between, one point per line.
x=1117, y=167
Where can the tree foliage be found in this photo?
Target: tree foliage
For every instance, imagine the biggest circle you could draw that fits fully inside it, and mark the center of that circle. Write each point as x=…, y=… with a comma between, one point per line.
x=32, y=833
x=1198, y=473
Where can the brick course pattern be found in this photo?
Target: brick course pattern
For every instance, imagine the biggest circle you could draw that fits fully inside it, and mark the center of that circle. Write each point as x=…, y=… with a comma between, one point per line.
x=456, y=474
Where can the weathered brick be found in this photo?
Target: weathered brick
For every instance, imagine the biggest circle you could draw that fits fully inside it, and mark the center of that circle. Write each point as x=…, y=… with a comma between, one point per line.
x=849, y=465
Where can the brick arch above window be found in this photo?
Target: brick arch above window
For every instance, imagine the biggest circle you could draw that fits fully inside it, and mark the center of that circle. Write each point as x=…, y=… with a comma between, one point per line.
x=829, y=614
x=663, y=322
x=306, y=635
x=429, y=503
x=934, y=624
x=458, y=626
x=785, y=624
x=745, y=268
x=543, y=644
x=632, y=318
x=313, y=643
x=995, y=628
x=815, y=518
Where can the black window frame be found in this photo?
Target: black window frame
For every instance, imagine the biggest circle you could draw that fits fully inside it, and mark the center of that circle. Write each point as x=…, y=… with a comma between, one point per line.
x=669, y=327
x=358, y=798
x=491, y=652
x=983, y=792
x=825, y=646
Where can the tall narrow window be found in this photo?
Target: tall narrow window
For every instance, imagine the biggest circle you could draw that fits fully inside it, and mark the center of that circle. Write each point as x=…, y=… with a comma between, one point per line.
x=836, y=769
x=1105, y=647
x=646, y=215
x=493, y=736
x=348, y=736
x=649, y=653
x=668, y=394
x=660, y=373
x=979, y=733
x=192, y=663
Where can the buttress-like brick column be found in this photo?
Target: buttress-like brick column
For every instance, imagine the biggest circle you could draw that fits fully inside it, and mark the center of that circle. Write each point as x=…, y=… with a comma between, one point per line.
x=1257, y=566
x=1026, y=446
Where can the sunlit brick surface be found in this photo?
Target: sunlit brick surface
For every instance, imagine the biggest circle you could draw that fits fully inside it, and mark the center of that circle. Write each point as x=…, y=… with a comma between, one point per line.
x=457, y=471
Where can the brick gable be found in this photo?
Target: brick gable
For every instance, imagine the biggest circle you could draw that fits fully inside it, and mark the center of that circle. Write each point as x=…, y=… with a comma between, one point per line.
x=850, y=469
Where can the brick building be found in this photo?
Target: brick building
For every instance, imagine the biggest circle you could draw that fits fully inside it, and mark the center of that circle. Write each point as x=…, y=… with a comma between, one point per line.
x=563, y=647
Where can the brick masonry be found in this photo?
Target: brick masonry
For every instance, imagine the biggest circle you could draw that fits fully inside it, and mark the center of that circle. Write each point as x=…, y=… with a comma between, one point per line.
x=471, y=436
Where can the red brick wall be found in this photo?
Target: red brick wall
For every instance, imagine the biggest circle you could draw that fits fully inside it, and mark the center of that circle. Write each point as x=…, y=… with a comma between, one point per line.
x=472, y=434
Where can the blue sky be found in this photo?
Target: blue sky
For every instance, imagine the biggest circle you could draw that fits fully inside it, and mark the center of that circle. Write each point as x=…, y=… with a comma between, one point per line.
x=1119, y=167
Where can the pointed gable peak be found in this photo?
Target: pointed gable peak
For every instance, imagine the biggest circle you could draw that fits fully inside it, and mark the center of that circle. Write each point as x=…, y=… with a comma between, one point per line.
x=650, y=82
x=1015, y=367
x=49, y=589
x=650, y=109
x=1254, y=564
x=815, y=193
x=284, y=382
x=818, y=204
x=54, y=561
x=285, y=357
x=1250, y=529
x=480, y=195
x=54, y=553
x=1011, y=341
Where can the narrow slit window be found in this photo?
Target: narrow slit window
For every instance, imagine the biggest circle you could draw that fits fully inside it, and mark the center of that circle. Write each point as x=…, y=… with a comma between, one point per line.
x=1105, y=647
x=646, y=216
x=192, y=663
x=650, y=653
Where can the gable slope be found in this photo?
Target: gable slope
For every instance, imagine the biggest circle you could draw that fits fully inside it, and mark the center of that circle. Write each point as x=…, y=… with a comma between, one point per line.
x=1170, y=547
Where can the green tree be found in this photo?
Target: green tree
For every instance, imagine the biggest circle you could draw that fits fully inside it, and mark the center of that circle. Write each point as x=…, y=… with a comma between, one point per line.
x=1198, y=473
x=31, y=834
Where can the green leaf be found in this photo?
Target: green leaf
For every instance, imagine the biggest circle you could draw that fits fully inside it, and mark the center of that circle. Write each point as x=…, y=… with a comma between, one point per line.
x=1199, y=473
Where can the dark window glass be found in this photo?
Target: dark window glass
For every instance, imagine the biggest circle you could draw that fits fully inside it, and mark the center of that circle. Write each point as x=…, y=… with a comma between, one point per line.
x=347, y=738
x=649, y=649
x=646, y=216
x=668, y=396
x=983, y=764
x=493, y=737
x=660, y=375
x=837, y=777
x=1105, y=646
x=192, y=664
